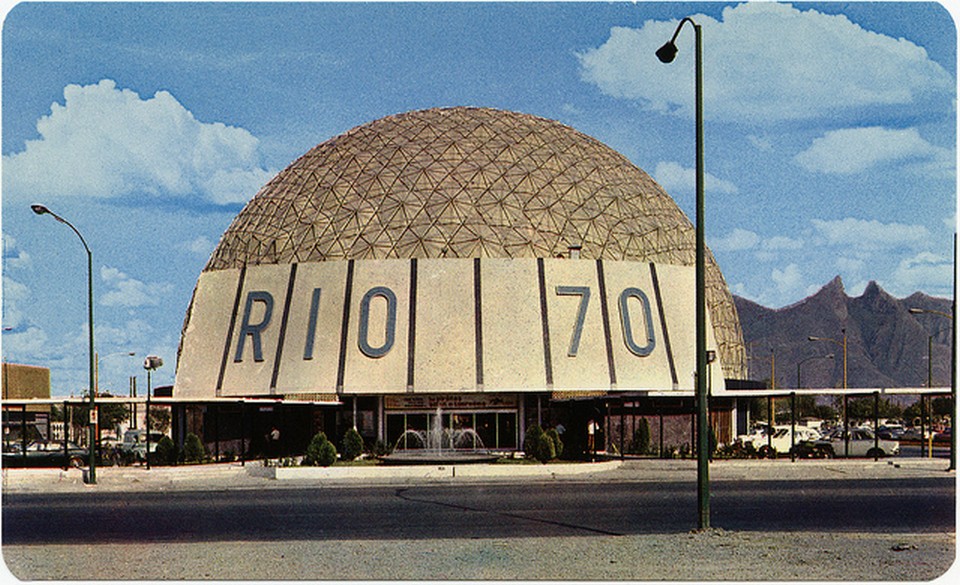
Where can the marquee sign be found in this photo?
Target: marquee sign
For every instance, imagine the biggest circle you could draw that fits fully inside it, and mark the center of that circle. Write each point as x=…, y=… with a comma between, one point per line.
x=441, y=325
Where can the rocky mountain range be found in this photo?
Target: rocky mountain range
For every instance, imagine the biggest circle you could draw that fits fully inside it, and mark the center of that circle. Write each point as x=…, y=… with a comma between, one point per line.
x=887, y=345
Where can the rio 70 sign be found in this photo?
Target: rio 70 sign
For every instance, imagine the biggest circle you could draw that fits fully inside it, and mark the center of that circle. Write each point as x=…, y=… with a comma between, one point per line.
x=439, y=325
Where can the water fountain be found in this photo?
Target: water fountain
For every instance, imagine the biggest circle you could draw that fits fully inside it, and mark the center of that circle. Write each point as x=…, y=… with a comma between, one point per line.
x=438, y=445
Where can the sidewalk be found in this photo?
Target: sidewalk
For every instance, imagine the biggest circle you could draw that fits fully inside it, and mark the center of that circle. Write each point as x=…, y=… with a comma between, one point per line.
x=254, y=475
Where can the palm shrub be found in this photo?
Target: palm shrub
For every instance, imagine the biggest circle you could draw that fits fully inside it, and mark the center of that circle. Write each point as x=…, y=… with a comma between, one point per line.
x=352, y=445
x=193, y=449
x=320, y=451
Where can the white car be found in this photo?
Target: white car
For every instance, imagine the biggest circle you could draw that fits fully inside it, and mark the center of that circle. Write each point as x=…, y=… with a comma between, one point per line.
x=780, y=441
x=862, y=443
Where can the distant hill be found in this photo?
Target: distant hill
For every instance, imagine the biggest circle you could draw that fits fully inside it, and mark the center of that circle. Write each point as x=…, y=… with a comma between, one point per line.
x=886, y=344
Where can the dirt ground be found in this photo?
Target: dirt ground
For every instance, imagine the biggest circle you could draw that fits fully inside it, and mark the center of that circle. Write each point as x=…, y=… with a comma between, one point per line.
x=713, y=555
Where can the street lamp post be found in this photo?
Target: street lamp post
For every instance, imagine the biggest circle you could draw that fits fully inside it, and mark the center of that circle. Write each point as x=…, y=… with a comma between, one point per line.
x=42, y=210
x=846, y=421
x=666, y=54
x=793, y=402
x=953, y=368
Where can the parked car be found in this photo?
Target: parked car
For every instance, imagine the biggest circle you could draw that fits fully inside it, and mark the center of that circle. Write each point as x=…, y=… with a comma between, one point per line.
x=781, y=442
x=134, y=443
x=862, y=443
x=45, y=454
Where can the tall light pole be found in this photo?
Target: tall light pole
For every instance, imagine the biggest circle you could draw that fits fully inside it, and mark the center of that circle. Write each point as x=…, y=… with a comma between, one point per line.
x=846, y=423
x=666, y=54
x=42, y=210
x=953, y=366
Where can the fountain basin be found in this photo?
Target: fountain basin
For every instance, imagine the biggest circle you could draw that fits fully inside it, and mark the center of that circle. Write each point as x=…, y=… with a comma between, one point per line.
x=430, y=457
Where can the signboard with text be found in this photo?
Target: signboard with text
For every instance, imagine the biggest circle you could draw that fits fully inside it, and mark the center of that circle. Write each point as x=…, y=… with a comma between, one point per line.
x=441, y=326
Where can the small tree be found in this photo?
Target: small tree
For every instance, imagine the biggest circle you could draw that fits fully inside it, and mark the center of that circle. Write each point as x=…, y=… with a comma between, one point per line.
x=641, y=438
x=320, y=451
x=166, y=453
x=352, y=445
x=193, y=449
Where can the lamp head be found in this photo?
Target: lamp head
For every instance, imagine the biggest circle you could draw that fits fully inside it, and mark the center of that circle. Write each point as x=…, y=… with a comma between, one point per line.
x=915, y=311
x=667, y=52
x=39, y=209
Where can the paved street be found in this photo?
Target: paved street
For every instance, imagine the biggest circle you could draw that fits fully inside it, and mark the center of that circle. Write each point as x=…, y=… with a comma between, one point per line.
x=617, y=503
x=771, y=520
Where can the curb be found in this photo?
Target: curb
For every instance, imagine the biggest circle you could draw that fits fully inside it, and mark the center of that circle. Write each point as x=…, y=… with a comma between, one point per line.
x=478, y=470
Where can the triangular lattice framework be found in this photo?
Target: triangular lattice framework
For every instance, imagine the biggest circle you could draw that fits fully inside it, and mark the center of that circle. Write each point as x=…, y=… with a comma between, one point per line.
x=467, y=183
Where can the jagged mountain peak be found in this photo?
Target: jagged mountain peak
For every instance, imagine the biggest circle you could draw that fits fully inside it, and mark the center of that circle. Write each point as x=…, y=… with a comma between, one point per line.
x=887, y=345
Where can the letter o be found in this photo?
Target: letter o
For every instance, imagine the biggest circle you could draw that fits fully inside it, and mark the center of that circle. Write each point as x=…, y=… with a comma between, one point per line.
x=625, y=322
x=391, y=328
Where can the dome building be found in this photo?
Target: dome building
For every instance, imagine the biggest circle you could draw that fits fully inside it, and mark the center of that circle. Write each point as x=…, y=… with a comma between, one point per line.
x=500, y=268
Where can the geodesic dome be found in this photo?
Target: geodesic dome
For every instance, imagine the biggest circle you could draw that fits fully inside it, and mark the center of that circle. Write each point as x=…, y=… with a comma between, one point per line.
x=470, y=183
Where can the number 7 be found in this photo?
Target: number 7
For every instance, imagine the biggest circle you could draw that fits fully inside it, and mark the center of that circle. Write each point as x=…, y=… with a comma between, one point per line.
x=584, y=293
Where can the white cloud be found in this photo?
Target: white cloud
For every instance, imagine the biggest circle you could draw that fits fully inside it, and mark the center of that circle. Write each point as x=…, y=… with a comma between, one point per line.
x=25, y=344
x=769, y=62
x=871, y=235
x=129, y=292
x=789, y=280
x=924, y=270
x=13, y=293
x=13, y=256
x=855, y=150
x=675, y=178
x=782, y=243
x=108, y=142
x=201, y=246
x=738, y=239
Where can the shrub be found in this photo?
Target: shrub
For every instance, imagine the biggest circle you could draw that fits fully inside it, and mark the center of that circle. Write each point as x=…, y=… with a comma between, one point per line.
x=554, y=437
x=531, y=439
x=352, y=445
x=538, y=445
x=641, y=438
x=320, y=451
x=166, y=453
x=193, y=449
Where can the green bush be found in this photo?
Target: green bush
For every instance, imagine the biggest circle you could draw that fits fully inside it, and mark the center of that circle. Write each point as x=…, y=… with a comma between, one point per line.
x=166, y=453
x=193, y=449
x=641, y=438
x=531, y=438
x=538, y=445
x=554, y=437
x=320, y=451
x=352, y=445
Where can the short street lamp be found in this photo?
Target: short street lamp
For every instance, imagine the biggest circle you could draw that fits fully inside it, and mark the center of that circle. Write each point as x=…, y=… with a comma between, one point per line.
x=666, y=54
x=150, y=363
x=92, y=475
x=846, y=422
x=793, y=403
x=953, y=367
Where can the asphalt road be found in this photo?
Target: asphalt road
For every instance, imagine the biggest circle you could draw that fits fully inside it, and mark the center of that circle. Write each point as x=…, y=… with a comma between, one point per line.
x=542, y=509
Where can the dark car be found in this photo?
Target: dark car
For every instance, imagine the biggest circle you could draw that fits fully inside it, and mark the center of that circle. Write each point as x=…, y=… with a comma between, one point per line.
x=45, y=454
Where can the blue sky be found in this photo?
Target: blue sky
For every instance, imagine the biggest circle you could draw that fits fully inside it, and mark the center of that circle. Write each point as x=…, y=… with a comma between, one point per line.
x=830, y=137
